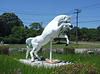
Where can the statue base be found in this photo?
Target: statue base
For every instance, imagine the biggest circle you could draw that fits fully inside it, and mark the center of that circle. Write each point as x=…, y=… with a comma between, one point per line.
x=46, y=63
x=50, y=62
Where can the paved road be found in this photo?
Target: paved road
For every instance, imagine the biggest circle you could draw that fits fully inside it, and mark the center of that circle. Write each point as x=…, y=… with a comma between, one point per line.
x=86, y=43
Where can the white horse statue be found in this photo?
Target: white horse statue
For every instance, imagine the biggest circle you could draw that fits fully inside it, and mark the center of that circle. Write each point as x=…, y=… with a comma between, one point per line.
x=28, y=42
x=50, y=32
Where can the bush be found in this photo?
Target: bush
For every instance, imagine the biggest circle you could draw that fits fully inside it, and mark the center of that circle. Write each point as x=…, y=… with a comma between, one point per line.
x=69, y=50
x=4, y=50
x=76, y=69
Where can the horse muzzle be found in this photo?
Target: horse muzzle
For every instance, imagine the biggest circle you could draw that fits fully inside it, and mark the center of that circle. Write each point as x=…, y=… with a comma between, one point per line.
x=71, y=26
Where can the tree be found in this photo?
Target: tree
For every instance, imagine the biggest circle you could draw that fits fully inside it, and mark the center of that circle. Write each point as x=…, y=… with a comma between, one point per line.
x=19, y=34
x=36, y=28
x=84, y=35
x=7, y=22
x=88, y=34
x=92, y=34
x=73, y=33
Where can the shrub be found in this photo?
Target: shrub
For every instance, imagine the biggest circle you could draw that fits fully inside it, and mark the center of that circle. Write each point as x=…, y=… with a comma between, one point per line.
x=4, y=50
x=69, y=50
x=76, y=69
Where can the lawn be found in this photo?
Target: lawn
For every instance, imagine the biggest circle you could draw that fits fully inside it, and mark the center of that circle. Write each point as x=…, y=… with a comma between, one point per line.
x=58, y=45
x=10, y=66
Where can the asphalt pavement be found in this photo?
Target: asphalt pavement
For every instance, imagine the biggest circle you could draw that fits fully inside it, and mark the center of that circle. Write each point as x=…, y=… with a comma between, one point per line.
x=92, y=43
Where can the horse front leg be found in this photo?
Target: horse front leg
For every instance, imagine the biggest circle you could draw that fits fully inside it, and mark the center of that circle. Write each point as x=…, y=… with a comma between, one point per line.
x=67, y=40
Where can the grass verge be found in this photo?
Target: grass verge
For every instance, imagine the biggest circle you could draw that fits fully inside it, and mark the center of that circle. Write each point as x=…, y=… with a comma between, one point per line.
x=9, y=66
x=56, y=45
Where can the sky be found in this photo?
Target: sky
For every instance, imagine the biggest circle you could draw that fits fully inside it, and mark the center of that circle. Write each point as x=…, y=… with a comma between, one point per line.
x=43, y=11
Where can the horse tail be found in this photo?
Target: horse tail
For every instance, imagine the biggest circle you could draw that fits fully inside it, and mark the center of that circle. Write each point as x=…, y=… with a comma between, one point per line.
x=28, y=41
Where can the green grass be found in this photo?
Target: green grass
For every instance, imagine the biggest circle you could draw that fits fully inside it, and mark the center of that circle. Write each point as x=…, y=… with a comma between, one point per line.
x=83, y=46
x=17, y=45
x=9, y=65
x=71, y=45
x=57, y=45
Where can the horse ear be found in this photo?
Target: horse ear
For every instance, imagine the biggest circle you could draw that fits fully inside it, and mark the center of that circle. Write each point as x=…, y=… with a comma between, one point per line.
x=70, y=16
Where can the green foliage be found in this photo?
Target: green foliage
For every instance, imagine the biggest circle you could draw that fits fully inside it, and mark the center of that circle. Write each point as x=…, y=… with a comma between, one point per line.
x=4, y=50
x=37, y=28
x=7, y=22
x=69, y=50
x=19, y=34
x=84, y=34
x=77, y=69
x=72, y=37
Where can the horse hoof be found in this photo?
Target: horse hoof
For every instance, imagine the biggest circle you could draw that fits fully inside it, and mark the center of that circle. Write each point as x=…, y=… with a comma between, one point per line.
x=64, y=61
x=42, y=58
x=58, y=61
x=66, y=44
x=39, y=60
x=27, y=59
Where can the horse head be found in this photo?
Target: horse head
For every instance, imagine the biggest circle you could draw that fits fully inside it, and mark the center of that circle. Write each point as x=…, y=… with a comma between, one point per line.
x=63, y=19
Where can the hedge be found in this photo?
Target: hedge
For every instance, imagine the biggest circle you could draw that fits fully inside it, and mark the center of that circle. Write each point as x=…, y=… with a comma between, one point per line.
x=69, y=50
x=4, y=50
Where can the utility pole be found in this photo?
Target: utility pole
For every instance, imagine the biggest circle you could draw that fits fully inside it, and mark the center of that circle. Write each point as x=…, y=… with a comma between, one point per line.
x=77, y=11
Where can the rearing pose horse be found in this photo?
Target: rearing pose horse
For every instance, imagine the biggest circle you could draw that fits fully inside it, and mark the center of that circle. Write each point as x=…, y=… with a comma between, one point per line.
x=50, y=32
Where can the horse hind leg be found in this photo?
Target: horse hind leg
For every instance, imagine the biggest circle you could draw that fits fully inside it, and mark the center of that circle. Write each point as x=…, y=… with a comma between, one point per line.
x=31, y=53
x=28, y=49
x=35, y=53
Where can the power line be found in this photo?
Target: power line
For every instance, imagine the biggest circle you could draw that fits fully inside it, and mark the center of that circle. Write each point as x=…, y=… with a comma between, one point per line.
x=89, y=16
x=49, y=14
x=73, y=17
x=70, y=12
x=89, y=6
x=24, y=13
x=87, y=21
x=90, y=21
x=28, y=13
x=31, y=13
